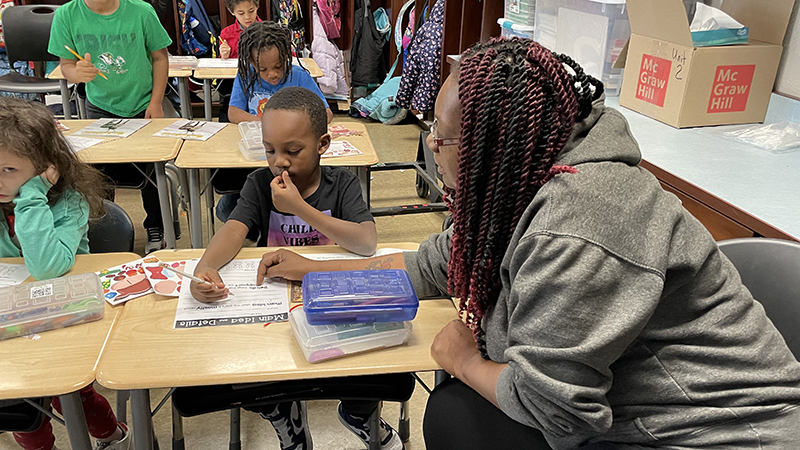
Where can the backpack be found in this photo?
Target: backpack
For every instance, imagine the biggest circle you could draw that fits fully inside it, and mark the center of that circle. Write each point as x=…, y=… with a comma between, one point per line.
x=329, y=16
x=199, y=37
x=290, y=13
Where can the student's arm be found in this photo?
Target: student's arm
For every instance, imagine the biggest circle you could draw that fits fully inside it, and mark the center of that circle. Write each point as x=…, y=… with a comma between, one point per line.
x=361, y=238
x=289, y=265
x=225, y=244
x=49, y=238
x=236, y=115
x=155, y=109
x=76, y=71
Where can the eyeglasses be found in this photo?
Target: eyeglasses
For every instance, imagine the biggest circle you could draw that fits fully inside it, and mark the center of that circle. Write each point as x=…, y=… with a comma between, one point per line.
x=441, y=142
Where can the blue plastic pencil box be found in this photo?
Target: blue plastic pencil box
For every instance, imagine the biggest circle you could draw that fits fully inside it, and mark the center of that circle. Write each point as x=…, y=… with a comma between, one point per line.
x=359, y=296
x=50, y=304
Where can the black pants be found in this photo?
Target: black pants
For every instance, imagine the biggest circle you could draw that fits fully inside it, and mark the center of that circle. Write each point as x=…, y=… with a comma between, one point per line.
x=459, y=418
x=128, y=175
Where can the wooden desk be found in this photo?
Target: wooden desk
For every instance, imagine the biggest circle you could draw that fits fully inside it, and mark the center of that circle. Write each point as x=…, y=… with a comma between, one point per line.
x=222, y=152
x=62, y=361
x=183, y=88
x=734, y=189
x=208, y=74
x=140, y=147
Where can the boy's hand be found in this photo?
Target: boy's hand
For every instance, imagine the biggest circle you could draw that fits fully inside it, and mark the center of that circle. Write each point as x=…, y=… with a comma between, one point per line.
x=212, y=291
x=285, y=196
x=51, y=175
x=224, y=49
x=284, y=264
x=154, y=111
x=86, y=70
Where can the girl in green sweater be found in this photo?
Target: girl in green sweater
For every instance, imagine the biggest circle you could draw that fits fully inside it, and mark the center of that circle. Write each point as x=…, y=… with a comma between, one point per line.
x=46, y=193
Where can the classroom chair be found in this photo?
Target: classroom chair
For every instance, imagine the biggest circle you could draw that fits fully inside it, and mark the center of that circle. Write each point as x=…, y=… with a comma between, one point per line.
x=113, y=232
x=26, y=30
x=21, y=416
x=193, y=401
x=770, y=269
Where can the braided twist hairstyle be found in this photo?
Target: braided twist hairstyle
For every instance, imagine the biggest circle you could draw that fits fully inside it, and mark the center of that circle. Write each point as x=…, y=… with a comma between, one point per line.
x=256, y=38
x=519, y=105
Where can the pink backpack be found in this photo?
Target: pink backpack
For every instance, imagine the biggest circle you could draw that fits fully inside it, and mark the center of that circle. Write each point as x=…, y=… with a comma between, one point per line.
x=329, y=16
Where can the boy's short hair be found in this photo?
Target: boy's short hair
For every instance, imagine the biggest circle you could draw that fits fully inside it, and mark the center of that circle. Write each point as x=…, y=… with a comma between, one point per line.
x=230, y=4
x=301, y=99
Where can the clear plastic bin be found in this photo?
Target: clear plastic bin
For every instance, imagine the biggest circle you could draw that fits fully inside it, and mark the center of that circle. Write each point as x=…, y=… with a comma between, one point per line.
x=359, y=296
x=593, y=32
x=50, y=304
x=321, y=342
x=509, y=29
x=522, y=12
x=252, y=144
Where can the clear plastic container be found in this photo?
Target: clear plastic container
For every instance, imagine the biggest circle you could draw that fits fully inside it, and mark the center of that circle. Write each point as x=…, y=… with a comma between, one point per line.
x=593, y=32
x=509, y=29
x=251, y=145
x=50, y=304
x=321, y=342
x=522, y=12
x=359, y=296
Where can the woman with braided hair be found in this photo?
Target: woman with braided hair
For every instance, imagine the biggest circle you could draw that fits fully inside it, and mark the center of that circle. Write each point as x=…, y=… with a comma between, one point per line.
x=598, y=313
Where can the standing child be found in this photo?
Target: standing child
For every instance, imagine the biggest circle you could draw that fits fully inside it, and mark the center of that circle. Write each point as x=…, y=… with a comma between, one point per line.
x=47, y=196
x=295, y=202
x=129, y=47
x=265, y=67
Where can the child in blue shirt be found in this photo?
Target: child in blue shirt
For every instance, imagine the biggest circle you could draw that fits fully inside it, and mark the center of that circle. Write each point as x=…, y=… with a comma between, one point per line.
x=47, y=196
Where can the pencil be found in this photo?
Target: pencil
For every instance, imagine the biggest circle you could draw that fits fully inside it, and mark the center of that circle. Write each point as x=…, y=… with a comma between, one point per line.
x=81, y=58
x=180, y=272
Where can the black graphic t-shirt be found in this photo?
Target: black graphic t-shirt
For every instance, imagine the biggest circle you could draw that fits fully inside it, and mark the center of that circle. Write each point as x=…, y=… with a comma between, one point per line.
x=338, y=195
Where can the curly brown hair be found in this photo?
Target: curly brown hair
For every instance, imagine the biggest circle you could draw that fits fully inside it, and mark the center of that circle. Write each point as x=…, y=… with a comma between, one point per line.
x=28, y=130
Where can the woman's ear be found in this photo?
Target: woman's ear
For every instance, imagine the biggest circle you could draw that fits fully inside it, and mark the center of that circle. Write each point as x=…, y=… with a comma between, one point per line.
x=324, y=143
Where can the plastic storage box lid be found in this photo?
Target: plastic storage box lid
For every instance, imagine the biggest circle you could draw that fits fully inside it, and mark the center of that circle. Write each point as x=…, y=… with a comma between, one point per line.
x=251, y=145
x=321, y=342
x=359, y=296
x=50, y=304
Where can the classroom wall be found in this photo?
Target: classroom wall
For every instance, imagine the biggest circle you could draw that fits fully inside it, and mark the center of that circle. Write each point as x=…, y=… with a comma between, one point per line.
x=788, y=81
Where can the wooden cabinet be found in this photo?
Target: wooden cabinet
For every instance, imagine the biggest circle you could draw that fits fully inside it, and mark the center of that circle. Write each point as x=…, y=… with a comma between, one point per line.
x=467, y=22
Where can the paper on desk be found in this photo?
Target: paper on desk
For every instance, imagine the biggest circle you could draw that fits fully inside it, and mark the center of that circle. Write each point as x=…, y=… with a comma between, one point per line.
x=164, y=281
x=125, y=282
x=194, y=130
x=217, y=63
x=341, y=148
x=268, y=302
x=77, y=143
x=12, y=274
x=182, y=62
x=120, y=128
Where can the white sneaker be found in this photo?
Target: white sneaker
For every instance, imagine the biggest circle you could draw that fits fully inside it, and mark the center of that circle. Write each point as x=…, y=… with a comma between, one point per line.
x=123, y=443
x=155, y=240
x=359, y=426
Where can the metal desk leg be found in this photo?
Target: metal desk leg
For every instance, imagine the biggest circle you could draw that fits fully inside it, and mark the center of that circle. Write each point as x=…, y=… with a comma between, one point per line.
x=195, y=214
x=65, y=99
x=122, y=406
x=163, y=199
x=209, y=203
x=142, y=420
x=440, y=376
x=235, y=441
x=76, y=421
x=207, y=99
x=363, y=179
x=183, y=92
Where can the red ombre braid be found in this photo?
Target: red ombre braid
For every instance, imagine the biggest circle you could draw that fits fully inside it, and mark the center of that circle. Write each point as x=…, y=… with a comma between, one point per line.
x=519, y=104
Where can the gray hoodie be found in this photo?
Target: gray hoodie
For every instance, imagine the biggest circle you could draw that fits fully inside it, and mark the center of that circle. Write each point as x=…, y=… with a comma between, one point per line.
x=618, y=316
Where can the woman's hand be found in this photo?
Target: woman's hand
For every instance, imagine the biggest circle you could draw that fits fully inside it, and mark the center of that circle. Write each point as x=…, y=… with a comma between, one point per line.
x=285, y=264
x=454, y=348
x=51, y=175
x=212, y=291
x=285, y=196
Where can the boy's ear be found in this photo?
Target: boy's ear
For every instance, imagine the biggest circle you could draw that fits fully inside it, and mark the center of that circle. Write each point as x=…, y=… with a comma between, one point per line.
x=324, y=143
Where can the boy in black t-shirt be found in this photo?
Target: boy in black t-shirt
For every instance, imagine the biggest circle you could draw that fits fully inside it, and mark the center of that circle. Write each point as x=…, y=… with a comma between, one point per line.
x=296, y=202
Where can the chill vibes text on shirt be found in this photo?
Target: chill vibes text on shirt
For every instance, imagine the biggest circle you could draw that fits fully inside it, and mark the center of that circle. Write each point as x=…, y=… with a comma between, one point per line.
x=294, y=232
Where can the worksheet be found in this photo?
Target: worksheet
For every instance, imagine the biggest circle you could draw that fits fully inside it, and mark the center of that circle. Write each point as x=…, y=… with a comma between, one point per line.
x=77, y=143
x=12, y=274
x=249, y=304
x=195, y=130
x=120, y=128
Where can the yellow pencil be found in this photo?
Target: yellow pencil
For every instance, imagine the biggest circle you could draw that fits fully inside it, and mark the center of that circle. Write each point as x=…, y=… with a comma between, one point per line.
x=81, y=58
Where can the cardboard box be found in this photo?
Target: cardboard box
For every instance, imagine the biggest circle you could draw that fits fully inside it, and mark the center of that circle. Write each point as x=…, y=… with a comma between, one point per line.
x=670, y=80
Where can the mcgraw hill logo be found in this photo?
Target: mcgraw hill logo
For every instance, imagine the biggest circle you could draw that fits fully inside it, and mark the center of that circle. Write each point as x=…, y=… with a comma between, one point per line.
x=653, y=79
x=731, y=88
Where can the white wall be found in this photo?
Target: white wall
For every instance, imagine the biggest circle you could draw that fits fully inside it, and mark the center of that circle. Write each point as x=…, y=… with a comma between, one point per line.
x=788, y=81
